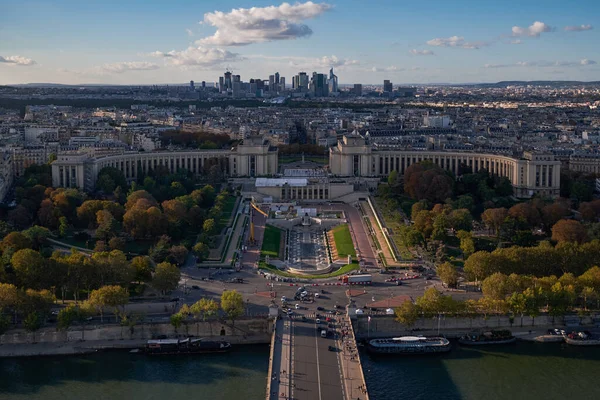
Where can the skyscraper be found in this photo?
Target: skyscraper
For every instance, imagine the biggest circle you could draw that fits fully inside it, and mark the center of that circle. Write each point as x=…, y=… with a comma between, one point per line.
x=387, y=86
x=282, y=84
x=333, y=82
x=203, y=84
x=276, y=78
x=271, y=83
x=221, y=84
x=228, y=82
x=358, y=89
x=192, y=85
x=318, y=85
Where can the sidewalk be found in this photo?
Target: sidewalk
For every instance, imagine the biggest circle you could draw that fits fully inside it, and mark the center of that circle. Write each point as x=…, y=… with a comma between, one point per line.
x=281, y=375
x=354, y=380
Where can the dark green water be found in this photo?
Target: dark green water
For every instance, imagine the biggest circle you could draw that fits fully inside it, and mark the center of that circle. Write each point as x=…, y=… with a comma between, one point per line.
x=521, y=371
x=240, y=374
x=527, y=371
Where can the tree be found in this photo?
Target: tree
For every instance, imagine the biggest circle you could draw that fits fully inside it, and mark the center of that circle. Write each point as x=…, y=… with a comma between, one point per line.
x=205, y=308
x=166, y=277
x=143, y=269
x=33, y=322
x=177, y=255
x=209, y=226
x=569, y=230
x=407, y=314
x=420, y=205
x=460, y=219
x=136, y=196
x=448, y=274
x=20, y=217
x=15, y=241
x=201, y=250
x=37, y=235
x=29, y=268
x=110, y=178
x=526, y=213
x=117, y=243
x=426, y=180
x=590, y=211
x=109, y=296
x=63, y=226
x=493, y=218
x=67, y=316
x=532, y=303
x=517, y=304
x=423, y=223
x=176, y=320
x=467, y=245
x=553, y=213
x=495, y=286
x=232, y=304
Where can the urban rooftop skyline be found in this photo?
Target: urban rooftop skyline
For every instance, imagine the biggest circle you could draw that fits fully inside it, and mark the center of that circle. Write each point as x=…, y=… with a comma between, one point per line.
x=134, y=42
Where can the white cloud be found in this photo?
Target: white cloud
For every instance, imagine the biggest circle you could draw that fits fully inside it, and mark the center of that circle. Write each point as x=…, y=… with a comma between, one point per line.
x=533, y=30
x=242, y=26
x=198, y=56
x=334, y=61
x=455, y=41
x=516, y=41
x=544, y=64
x=416, y=52
x=17, y=60
x=189, y=32
x=121, y=67
x=578, y=28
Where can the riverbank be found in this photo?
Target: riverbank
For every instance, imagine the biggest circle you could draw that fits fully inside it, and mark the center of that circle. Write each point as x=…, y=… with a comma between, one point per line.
x=76, y=340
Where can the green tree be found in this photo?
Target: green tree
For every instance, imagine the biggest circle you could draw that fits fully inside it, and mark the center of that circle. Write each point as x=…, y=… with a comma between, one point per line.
x=426, y=180
x=109, y=296
x=166, y=277
x=517, y=304
x=202, y=251
x=63, y=226
x=110, y=178
x=232, y=304
x=205, y=308
x=495, y=286
x=448, y=274
x=32, y=322
x=407, y=314
x=29, y=268
x=177, y=320
x=209, y=226
x=143, y=269
x=67, y=316
x=493, y=218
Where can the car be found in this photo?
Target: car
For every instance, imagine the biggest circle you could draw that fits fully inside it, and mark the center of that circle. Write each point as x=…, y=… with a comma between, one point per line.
x=283, y=298
x=359, y=311
x=427, y=278
x=398, y=283
x=55, y=312
x=332, y=348
x=290, y=312
x=337, y=306
x=195, y=287
x=317, y=321
x=320, y=309
x=297, y=306
x=316, y=294
x=323, y=333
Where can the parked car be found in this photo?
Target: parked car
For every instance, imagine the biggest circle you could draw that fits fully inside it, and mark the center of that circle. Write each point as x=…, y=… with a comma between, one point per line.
x=317, y=321
x=320, y=309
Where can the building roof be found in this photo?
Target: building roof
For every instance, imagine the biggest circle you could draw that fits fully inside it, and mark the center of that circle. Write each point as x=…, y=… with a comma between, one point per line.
x=274, y=182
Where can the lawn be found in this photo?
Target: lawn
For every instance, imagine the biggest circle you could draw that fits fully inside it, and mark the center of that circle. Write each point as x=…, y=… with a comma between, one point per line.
x=346, y=269
x=226, y=213
x=343, y=241
x=271, y=241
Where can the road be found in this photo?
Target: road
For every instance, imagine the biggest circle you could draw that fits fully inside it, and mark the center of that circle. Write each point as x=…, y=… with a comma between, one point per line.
x=317, y=372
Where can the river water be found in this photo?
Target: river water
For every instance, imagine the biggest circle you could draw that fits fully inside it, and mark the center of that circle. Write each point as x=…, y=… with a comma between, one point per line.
x=120, y=375
x=527, y=371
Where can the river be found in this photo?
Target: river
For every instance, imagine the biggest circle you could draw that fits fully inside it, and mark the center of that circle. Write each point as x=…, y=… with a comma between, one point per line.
x=120, y=375
x=520, y=371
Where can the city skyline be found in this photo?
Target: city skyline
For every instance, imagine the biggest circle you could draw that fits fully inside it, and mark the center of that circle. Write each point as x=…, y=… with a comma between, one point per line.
x=148, y=43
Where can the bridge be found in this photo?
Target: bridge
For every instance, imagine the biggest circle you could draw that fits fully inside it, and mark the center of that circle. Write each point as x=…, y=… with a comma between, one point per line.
x=306, y=366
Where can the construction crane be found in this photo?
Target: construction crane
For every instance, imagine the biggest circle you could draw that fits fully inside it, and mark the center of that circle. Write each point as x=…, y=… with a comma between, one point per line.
x=252, y=208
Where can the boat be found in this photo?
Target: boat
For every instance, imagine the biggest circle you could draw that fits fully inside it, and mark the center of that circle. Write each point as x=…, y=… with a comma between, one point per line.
x=186, y=346
x=584, y=338
x=409, y=345
x=487, y=337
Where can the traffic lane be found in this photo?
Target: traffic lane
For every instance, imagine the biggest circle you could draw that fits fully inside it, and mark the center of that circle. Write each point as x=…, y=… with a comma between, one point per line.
x=311, y=349
x=331, y=384
x=305, y=361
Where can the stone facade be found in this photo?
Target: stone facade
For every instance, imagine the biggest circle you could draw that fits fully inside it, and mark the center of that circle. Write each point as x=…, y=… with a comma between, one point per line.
x=530, y=175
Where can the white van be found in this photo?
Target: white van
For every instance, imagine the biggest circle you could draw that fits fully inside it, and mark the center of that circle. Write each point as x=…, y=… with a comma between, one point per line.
x=323, y=333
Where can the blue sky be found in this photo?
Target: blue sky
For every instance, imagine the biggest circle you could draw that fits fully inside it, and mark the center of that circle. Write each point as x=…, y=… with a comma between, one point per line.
x=366, y=41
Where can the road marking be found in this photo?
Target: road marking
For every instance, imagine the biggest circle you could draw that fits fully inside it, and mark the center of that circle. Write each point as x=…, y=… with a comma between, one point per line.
x=318, y=369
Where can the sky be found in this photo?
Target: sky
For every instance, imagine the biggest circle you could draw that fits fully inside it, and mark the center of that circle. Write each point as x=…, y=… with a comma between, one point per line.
x=365, y=41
